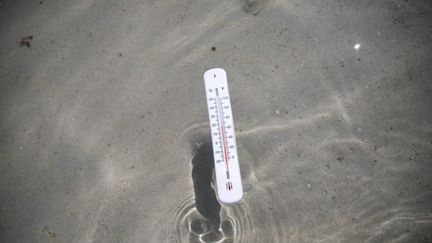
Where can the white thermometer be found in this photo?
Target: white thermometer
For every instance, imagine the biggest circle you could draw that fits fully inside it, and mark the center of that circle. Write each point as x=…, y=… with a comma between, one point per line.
x=227, y=170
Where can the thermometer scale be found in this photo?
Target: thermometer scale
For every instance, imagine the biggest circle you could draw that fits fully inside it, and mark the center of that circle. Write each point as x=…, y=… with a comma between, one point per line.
x=227, y=169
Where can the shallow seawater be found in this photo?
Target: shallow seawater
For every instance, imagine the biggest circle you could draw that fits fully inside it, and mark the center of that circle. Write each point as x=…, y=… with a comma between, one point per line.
x=104, y=132
x=340, y=187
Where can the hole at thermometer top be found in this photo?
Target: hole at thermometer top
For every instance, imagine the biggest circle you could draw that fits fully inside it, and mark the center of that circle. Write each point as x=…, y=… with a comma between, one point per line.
x=214, y=75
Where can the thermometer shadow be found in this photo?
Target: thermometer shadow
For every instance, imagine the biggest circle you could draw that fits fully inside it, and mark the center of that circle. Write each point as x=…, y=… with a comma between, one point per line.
x=205, y=197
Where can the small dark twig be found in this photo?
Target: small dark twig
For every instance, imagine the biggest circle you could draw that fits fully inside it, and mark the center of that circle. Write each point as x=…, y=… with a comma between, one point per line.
x=26, y=41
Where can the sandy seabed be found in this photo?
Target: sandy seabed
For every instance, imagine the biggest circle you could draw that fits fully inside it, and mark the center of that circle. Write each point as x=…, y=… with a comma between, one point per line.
x=104, y=129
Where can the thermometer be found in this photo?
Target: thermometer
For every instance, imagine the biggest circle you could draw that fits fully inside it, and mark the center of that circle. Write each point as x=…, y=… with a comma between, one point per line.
x=227, y=169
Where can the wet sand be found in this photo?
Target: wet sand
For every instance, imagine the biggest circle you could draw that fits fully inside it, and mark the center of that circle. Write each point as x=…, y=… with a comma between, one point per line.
x=104, y=129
